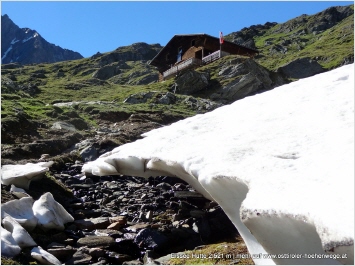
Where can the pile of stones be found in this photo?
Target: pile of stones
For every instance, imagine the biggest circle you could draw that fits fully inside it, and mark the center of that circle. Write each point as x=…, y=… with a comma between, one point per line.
x=132, y=220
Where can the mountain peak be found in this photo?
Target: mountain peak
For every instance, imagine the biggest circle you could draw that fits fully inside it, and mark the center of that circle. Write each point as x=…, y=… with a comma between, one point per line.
x=27, y=46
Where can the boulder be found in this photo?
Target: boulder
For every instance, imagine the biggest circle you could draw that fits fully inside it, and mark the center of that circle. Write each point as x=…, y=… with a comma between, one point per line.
x=151, y=239
x=141, y=97
x=107, y=72
x=63, y=125
x=168, y=98
x=247, y=78
x=301, y=68
x=190, y=82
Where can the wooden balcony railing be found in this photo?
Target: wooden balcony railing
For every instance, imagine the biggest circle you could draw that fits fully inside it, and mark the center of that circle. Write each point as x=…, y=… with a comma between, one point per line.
x=192, y=62
x=183, y=65
x=214, y=56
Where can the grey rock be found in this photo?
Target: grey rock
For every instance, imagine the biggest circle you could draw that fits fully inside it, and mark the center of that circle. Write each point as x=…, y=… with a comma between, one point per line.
x=79, y=258
x=247, y=78
x=96, y=241
x=92, y=224
x=301, y=68
x=137, y=227
x=168, y=98
x=89, y=154
x=107, y=71
x=61, y=251
x=190, y=82
x=63, y=126
x=142, y=97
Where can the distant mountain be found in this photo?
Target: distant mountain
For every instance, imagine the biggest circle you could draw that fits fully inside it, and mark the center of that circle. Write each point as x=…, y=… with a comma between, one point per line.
x=26, y=46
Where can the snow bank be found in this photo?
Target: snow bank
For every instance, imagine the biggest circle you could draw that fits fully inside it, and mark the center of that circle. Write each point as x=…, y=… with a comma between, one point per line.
x=280, y=164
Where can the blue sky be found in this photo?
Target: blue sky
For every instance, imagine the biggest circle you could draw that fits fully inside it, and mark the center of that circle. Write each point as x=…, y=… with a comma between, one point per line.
x=90, y=27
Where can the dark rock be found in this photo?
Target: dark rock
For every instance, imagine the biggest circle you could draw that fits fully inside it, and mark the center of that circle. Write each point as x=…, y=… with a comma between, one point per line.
x=79, y=258
x=151, y=239
x=61, y=251
x=117, y=258
x=301, y=68
x=168, y=98
x=202, y=227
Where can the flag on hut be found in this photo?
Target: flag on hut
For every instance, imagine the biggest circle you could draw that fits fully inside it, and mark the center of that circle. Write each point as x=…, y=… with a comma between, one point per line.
x=221, y=40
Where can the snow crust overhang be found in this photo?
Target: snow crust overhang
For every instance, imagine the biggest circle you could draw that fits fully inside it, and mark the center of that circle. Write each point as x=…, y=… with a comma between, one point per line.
x=280, y=164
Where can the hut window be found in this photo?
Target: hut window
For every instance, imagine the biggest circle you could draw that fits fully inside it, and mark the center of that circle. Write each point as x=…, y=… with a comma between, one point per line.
x=193, y=42
x=179, y=56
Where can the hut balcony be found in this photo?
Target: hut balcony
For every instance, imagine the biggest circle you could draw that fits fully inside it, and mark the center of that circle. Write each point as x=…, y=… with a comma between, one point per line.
x=188, y=63
x=214, y=56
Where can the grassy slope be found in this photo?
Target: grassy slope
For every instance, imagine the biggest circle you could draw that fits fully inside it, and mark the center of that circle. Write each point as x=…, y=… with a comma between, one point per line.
x=75, y=83
x=329, y=48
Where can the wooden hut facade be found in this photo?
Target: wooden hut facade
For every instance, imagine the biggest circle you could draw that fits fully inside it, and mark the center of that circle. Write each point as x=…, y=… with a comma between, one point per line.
x=193, y=50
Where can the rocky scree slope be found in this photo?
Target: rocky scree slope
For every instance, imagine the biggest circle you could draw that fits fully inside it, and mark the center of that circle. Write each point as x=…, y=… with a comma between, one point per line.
x=27, y=46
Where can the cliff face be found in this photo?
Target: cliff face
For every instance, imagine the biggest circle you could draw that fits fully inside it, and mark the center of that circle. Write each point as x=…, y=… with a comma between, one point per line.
x=27, y=46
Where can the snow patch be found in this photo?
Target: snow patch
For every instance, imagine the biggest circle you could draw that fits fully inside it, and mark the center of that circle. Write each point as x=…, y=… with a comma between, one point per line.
x=14, y=41
x=6, y=52
x=280, y=164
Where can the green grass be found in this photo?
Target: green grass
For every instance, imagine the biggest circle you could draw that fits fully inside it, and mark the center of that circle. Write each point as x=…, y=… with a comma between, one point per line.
x=329, y=48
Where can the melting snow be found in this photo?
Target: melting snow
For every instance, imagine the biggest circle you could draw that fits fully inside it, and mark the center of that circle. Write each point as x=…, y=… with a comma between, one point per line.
x=280, y=164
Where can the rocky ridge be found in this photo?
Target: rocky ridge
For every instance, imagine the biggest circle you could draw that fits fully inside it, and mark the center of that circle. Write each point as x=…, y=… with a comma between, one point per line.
x=26, y=46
